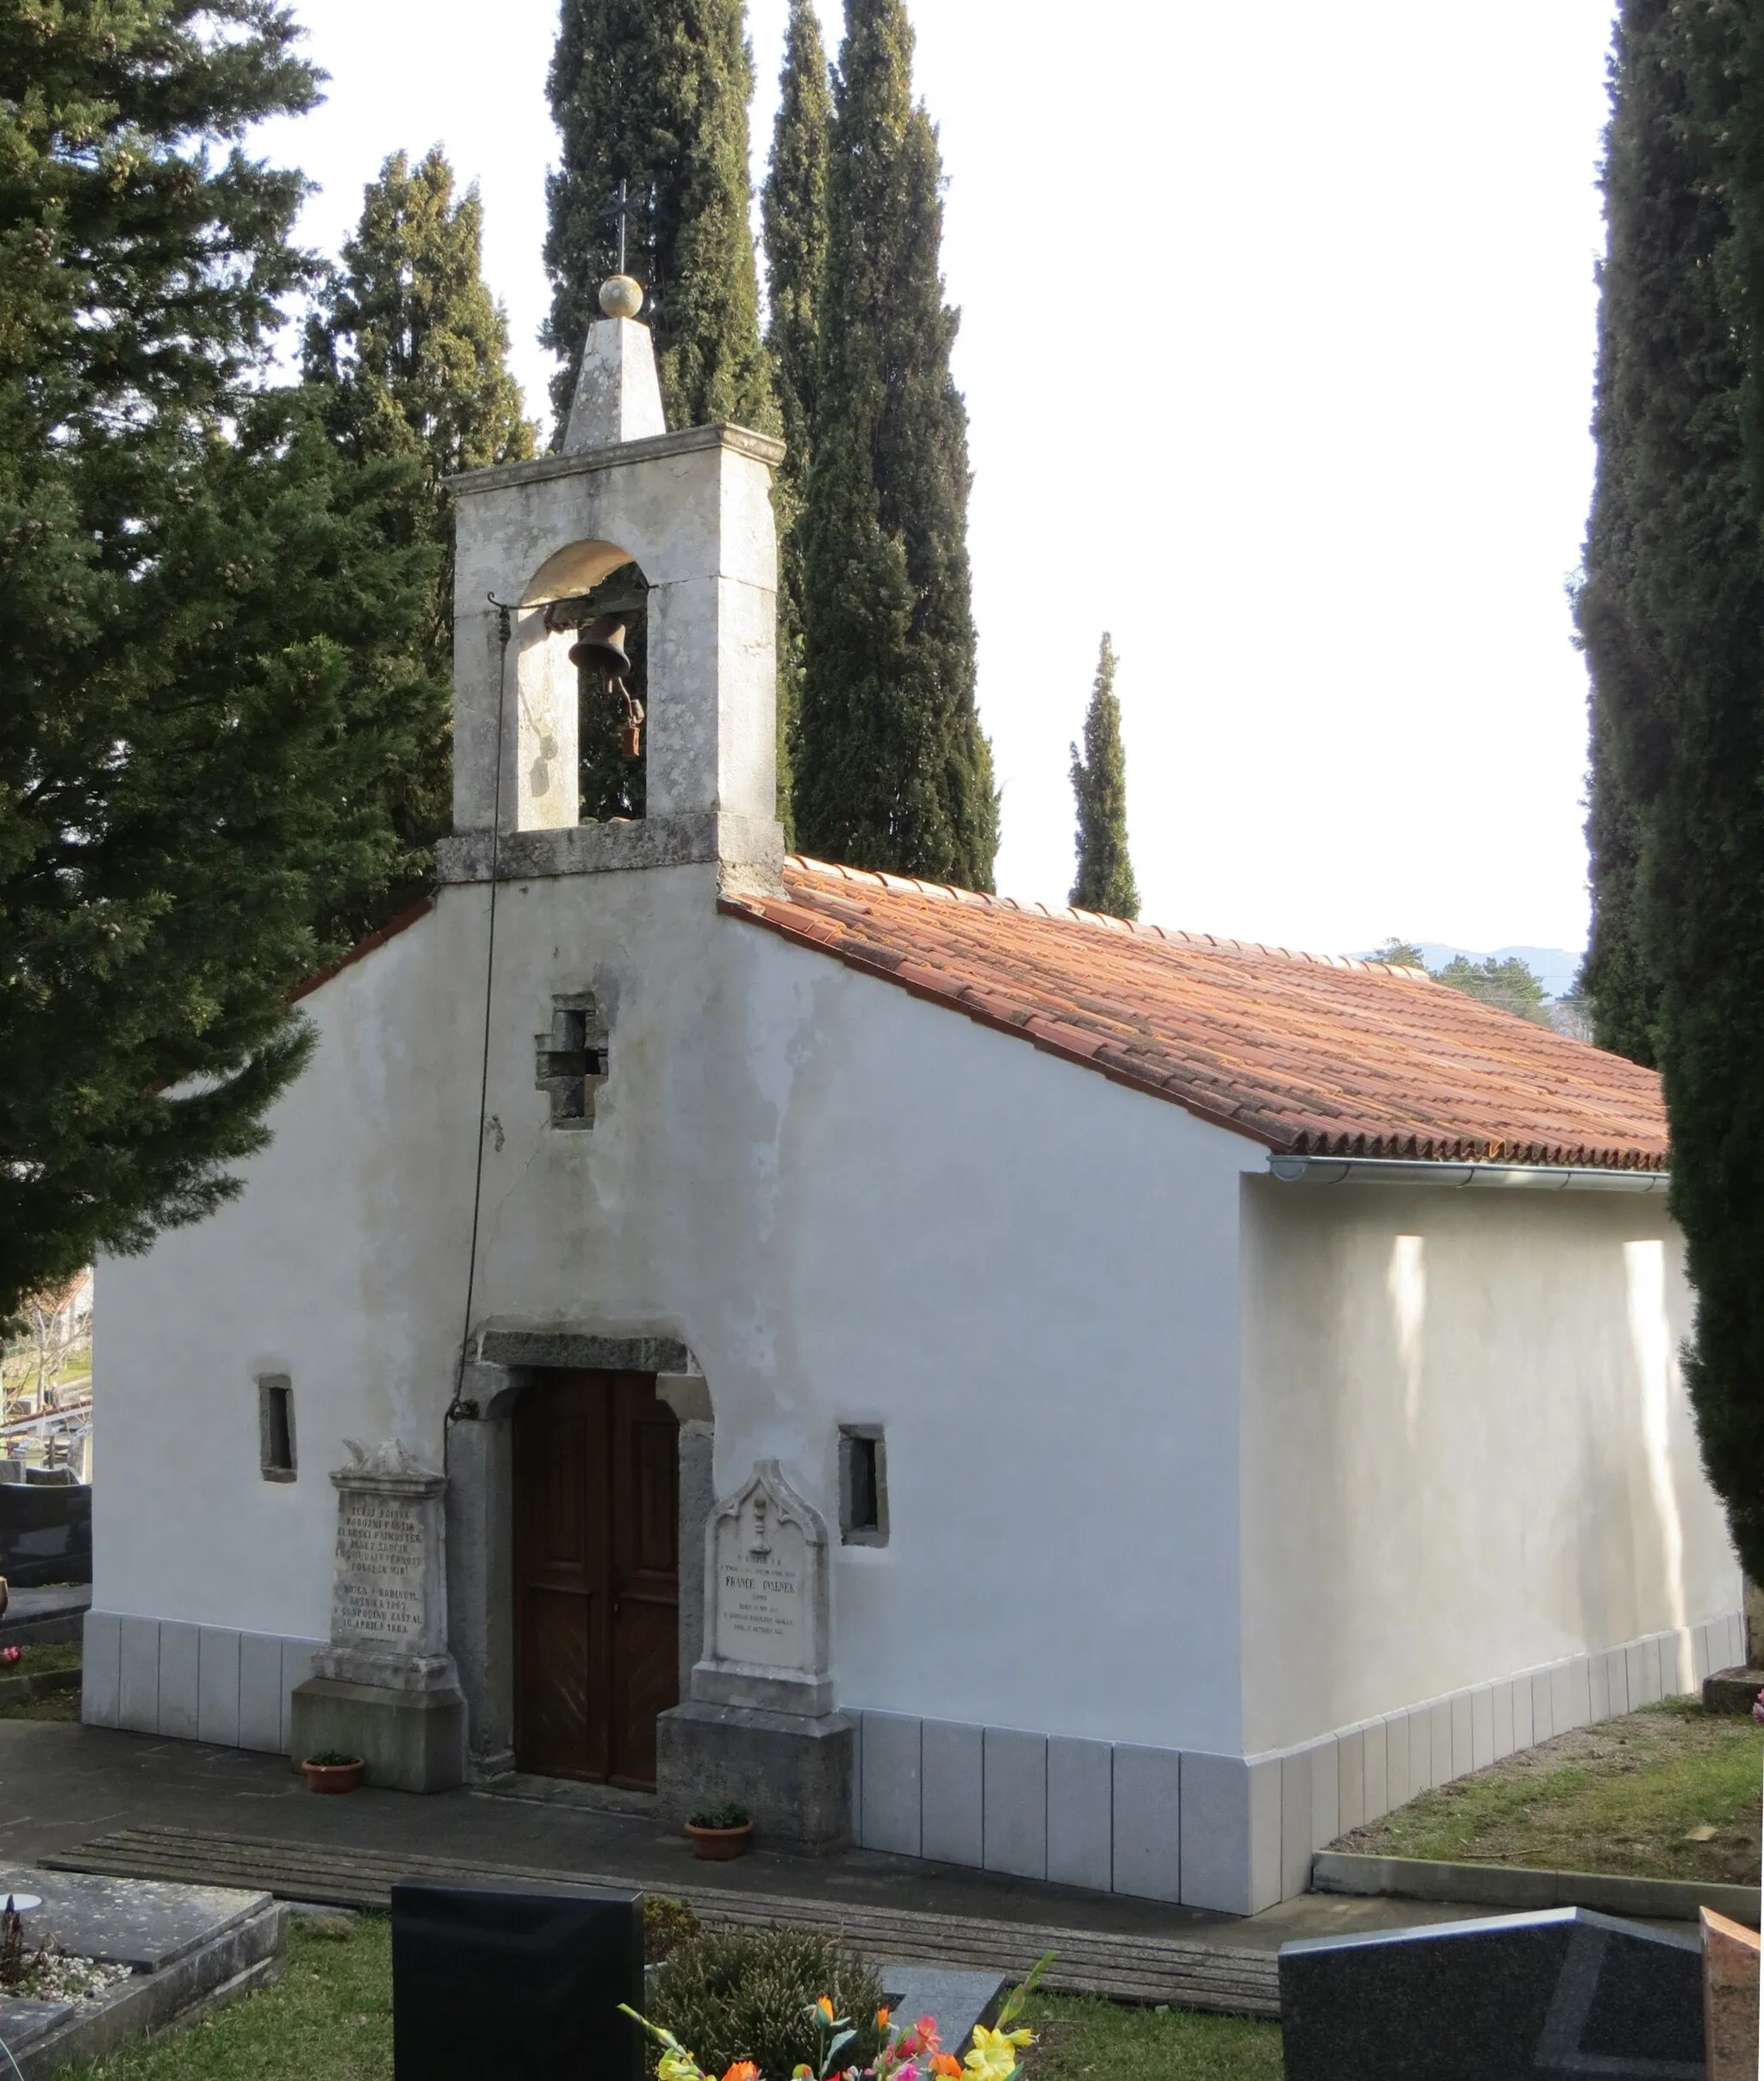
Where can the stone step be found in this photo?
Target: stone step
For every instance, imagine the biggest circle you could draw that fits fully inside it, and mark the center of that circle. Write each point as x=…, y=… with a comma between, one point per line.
x=1232, y=1979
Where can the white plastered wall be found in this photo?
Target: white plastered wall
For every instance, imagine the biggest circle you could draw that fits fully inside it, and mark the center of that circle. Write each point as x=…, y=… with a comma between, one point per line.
x=852, y=1205
x=1467, y=1448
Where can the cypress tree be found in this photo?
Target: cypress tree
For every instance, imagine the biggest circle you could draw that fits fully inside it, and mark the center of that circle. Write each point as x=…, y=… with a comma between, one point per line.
x=407, y=358
x=794, y=203
x=893, y=770
x=1672, y=616
x=201, y=625
x=654, y=93
x=1105, y=876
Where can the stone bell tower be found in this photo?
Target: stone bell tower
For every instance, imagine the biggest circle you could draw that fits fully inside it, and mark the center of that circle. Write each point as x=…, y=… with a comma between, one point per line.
x=693, y=510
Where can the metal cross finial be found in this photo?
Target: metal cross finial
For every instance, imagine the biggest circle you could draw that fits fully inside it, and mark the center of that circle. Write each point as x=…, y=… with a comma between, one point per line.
x=621, y=209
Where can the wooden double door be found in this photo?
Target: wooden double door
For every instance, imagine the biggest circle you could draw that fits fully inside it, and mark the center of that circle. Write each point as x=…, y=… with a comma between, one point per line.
x=596, y=1575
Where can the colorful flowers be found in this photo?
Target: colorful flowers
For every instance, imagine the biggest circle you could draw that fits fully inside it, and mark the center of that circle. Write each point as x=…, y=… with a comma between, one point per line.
x=993, y=2056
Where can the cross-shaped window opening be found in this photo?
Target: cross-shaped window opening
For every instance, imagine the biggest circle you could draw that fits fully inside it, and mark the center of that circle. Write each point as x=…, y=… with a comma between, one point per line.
x=570, y=1061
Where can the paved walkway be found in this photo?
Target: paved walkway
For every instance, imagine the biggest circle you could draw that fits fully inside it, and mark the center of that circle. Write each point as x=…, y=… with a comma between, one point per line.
x=60, y=1785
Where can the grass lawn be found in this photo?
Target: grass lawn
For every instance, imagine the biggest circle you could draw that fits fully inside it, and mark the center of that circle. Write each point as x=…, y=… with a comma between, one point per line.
x=1076, y=2037
x=329, y=2019
x=38, y=1661
x=1668, y=1793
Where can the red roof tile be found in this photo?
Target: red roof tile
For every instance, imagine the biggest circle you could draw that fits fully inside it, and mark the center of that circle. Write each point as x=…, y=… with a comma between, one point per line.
x=1314, y=1054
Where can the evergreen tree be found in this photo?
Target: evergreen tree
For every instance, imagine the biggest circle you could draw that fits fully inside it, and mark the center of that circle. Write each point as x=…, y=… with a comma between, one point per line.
x=1509, y=985
x=654, y=93
x=1672, y=616
x=893, y=770
x=200, y=624
x=1105, y=877
x=795, y=212
x=408, y=358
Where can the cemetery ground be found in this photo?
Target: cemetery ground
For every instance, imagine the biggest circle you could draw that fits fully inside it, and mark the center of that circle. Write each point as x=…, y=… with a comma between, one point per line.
x=1671, y=1791
x=329, y=2019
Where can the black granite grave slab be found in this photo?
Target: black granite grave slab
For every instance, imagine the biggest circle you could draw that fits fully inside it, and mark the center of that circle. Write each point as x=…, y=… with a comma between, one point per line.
x=518, y=1980
x=1565, y=1992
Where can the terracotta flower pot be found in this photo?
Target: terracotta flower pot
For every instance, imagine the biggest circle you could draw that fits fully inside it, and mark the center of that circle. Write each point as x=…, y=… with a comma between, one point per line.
x=333, y=1777
x=718, y=1845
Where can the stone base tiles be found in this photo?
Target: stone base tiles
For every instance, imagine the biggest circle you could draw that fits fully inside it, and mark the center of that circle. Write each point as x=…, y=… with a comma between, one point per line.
x=194, y=1682
x=1731, y=1954
x=1232, y=1833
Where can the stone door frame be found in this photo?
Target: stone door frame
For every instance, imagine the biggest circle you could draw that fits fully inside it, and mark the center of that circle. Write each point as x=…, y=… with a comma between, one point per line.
x=480, y=1506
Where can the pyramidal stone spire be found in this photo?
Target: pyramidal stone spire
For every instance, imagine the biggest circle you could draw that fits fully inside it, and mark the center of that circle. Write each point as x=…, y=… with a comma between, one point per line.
x=617, y=395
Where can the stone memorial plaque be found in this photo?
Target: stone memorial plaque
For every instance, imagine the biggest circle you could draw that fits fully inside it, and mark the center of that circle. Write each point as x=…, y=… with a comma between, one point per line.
x=762, y=1591
x=379, y=1566
x=766, y=1625
x=388, y=1608
x=385, y=1687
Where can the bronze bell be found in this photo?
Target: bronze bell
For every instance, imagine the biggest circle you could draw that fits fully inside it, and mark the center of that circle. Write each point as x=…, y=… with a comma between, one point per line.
x=601, y=646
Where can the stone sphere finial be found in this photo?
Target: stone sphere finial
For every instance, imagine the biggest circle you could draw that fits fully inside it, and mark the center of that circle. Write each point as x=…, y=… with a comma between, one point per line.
x=621, y=297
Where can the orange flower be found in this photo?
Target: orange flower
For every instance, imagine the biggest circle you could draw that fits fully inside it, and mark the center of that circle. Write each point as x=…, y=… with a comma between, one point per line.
x=881, y=2019
x=944, y=2063
x=743, y=2070
x=825, y=2007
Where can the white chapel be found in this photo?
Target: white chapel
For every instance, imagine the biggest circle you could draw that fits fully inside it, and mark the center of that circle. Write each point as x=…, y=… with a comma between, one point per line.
x=990, y=1383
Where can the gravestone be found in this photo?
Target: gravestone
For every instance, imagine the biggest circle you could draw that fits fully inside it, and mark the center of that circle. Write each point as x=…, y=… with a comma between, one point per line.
x=386, y=1688
x=522, y=1980
x=760, y=1728
x=1564, y=1993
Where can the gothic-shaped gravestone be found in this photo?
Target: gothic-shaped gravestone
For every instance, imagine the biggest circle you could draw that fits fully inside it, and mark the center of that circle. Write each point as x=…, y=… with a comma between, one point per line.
x=760, y=1729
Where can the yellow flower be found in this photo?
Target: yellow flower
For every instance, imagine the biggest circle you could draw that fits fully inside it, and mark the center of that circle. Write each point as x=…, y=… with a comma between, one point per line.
x=825, y=2007
x=677, y=2066
x=993, y=2055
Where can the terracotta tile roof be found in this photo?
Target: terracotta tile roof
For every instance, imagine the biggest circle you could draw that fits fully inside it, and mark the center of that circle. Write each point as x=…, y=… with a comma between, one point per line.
x=1315, y=1055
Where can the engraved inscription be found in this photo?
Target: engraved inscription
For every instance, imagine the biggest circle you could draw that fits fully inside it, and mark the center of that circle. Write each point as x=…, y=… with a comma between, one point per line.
x=380, y=1571
x=762, y=1592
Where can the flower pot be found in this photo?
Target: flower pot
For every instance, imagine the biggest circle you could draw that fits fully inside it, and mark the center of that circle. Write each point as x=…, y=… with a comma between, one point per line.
x=718, y=1845
x=333, y=1777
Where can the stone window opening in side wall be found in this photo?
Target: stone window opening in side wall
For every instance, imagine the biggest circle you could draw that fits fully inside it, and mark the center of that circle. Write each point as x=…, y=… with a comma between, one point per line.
x=276, y=1441
x=570, y=1061
x=863, y=1485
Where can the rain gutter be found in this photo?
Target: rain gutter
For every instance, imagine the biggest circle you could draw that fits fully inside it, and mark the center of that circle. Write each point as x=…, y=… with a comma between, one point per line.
x=1394, y=1170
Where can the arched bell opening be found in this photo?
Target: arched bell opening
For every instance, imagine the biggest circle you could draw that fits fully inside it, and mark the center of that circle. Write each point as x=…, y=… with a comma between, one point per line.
x=581, y=685
x=610, y=650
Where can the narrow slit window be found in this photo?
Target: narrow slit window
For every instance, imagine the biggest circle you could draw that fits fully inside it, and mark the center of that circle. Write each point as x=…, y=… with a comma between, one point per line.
x=276, y=1427
x=863, y=1486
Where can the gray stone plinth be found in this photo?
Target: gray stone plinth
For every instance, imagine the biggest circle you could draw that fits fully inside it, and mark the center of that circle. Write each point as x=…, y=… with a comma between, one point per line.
x=411, y=1741
x=793, y=1775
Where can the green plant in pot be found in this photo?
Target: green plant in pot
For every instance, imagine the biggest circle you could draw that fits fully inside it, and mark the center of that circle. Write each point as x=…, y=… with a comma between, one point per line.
x=719, y=1833
x=333, y=1770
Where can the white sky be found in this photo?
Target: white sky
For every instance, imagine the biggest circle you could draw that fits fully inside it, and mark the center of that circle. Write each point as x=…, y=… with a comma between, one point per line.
x=1278, y=340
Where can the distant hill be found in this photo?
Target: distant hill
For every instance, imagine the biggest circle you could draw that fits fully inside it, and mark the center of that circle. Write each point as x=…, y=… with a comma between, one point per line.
x=1555, y=967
